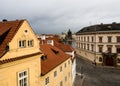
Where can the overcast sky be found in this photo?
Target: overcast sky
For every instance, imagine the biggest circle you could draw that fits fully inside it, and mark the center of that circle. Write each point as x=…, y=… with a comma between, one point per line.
x=56, y=16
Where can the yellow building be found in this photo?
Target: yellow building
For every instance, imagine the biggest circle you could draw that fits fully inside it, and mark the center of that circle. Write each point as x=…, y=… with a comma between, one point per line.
x=19, y=54
x=23, y=64
x=56, y=67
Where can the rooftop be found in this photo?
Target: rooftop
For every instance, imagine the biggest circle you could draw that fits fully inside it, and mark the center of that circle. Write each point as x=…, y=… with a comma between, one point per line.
x=53, y=58
x=7, y=31
x=101, y=27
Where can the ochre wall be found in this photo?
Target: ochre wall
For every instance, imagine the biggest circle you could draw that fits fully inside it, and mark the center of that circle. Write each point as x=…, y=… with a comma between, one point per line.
x=9, y=71
x=55, y=81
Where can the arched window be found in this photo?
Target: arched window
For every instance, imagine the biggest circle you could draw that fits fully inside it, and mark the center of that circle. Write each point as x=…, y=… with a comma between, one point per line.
x=100, y=59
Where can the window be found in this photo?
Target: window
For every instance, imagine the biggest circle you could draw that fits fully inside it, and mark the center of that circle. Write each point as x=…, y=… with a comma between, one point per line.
x=81, y=45
x=92, y=47
x=47, y=81
x=109, y=39
x=22, y=43
x=65, y=65
x=100, y=49
x=100, y=59
x=84, y=46
x=61, y=83
x=30, y=43
x=23, y=78
x=81, y=38
x=61, y=69
x=68, y=61
x=118, y=50
x=55, y=73
x=65, y=78
x=88, y=38
x=84, y=39
x=69, y=74
x=87, y=46
x=118, y=60
x=118, y=38
x=109, y=49
x=100, y=39
x=92, y=38
x=49, y=41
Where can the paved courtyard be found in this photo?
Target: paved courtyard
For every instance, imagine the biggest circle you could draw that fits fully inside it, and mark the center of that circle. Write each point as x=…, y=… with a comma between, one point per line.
x=96, y=75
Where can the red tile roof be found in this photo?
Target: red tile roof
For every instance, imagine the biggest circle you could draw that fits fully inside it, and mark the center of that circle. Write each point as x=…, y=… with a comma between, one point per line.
x=7, y=31
x=63, y=47
x=57, y=43
x=54, y=58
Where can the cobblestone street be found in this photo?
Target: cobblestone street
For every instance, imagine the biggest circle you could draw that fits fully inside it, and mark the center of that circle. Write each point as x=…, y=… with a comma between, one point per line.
x=96, y=75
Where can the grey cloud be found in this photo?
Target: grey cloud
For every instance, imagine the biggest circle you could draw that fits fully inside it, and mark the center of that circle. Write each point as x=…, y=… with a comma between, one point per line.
x=56, y=16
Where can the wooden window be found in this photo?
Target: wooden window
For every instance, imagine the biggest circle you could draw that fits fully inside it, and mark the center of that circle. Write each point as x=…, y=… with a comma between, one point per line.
x=61, y=69
x=100, y=39
x=92, y=38
x=22, y=43
x=65, y=78
x=118, y=50
x=65, y=65
x=92, y=47
x=47, y=81
x=55, y=73
x=100, y=59
x=109, y=49
x=100, y=49
x=61, y=83
x=109, y=39
x=87, y=46
x=30, y=43
x=84, y=39
x=118, y=60
x=23, y=78
x=118, y=38
x=88, y=38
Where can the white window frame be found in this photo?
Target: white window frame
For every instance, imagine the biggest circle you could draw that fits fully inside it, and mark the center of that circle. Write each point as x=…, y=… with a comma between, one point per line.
x=47, y=80
x=30, y=43
x=22, y=76
x=22, y=43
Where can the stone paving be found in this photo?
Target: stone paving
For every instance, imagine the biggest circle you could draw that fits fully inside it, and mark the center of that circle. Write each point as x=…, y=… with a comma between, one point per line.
x=96, y=75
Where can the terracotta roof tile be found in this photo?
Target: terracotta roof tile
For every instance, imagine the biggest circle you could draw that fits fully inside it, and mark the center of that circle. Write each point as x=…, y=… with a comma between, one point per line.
x=63, y=47
x=7, y=31
x=54, y=58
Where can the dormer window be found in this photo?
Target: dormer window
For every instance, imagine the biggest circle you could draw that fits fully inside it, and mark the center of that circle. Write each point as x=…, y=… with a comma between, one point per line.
x=55, y=51
x=49, y=41
x=44, y=57
x=22, y=43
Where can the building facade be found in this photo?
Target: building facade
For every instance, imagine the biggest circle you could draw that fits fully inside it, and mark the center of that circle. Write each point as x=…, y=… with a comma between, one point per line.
x=23, y=62
x=100, y=44
x=19, y=54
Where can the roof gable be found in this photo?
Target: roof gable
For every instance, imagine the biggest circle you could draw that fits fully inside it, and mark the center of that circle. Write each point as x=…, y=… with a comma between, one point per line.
x=7, y=31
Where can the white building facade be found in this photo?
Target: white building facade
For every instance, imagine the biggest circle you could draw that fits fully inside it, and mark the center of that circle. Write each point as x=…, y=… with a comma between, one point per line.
x=100, y=44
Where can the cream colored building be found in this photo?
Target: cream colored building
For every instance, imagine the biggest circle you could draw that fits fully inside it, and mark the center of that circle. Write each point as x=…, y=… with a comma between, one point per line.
x=19, y=54
x=100, y=44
